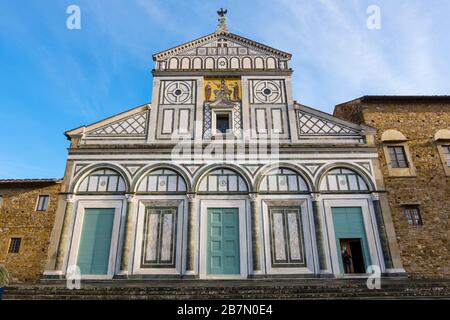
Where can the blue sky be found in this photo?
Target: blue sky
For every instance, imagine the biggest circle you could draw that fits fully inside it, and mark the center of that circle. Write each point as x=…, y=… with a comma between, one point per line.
x=53, y=79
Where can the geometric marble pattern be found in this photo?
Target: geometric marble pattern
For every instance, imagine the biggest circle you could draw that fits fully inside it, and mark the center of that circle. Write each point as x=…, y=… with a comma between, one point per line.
x=310, y=124
x=286, y=237
x=313, y=167
x=132, y=168
x=134, y=125
x=193, y=168
x=207, y=122
x=160, y=232
x=252, y=168
x=221, y=51
x=178, y=92
x=267, y=91
x=78, y=167
x=365, y=165
x=236, y=118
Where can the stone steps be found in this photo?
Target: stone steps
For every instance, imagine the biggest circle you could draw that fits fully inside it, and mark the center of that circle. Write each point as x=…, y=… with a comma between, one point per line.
x=244, y=289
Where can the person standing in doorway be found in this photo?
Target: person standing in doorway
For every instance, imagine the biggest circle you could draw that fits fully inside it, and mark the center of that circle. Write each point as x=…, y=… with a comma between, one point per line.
x=347, y=261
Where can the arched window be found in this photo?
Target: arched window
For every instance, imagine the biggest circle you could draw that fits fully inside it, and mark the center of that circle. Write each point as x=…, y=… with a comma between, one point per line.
x=103, y=180
x=223, y=180
x=342, y=179
x=283, y=180
x=162, y=180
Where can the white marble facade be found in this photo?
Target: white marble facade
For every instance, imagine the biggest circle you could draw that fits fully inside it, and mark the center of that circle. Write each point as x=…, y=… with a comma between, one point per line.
x=160, y=198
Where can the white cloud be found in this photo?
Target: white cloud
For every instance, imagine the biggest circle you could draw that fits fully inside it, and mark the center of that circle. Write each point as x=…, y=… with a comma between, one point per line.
x=336, y=58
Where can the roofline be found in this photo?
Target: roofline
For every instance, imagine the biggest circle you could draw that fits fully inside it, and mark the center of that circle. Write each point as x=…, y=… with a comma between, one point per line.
x=68, y=132
x=30, y=181
x=182, y=44
x=230, y=34
x=397, y=98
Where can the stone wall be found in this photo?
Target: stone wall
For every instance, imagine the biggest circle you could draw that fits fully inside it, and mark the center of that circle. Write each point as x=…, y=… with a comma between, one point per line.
x=425, y=249
x=18, y=218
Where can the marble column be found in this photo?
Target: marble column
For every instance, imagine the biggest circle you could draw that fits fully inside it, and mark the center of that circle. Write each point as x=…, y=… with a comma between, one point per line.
x=382, y=230
x=318, y=223
x=65, y=231
x=128, y=233
x=256, y=232
x=191, y=232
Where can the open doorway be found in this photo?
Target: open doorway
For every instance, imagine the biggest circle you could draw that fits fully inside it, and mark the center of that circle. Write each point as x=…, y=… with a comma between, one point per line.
x=352, y=256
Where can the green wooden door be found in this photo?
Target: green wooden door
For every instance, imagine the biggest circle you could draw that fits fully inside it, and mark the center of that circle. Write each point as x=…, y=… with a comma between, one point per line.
x=349, y=224
x=223, y=241
x=95, y=242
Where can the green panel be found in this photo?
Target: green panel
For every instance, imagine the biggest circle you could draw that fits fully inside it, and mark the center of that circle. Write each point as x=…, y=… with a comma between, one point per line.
x=349, y=223
x=223, y=241
x=95, y=243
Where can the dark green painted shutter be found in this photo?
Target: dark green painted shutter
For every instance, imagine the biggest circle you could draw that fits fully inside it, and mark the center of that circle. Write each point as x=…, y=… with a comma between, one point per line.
x=95, y=242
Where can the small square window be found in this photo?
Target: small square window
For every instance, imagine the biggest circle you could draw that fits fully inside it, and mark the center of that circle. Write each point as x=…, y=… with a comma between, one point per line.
x=446, y=149
x=42, y=204
x=223, y=122
x=397, y=157
x=14, y=245
x=412, y=214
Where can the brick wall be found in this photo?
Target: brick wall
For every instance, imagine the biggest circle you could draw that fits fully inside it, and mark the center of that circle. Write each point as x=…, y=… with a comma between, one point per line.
x=425, y=249
x=18, y=218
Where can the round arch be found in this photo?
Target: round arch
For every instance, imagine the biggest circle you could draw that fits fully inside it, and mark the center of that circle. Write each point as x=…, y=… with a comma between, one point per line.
x=173, y=63
x=210, y=168
x=268, y=168
x=392, y=135
x=85, y=172
x=150, y=168
x=323, y=172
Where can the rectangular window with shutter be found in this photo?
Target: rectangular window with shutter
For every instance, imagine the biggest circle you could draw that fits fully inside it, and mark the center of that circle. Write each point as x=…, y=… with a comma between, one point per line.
x=159, y=240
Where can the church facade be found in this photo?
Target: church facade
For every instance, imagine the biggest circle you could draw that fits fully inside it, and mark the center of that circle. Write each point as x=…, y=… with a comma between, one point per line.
x=222, y=176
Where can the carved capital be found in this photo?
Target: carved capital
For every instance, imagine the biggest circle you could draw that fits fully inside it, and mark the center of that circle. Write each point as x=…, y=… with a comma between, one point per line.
x=191, y=196
x=375, y=196
x=130, y=197
x=315, y=196
x=253, y=196
x=70, y=198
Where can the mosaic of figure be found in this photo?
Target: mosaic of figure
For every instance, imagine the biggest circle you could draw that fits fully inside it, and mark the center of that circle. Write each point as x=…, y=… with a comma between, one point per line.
x=222, y=89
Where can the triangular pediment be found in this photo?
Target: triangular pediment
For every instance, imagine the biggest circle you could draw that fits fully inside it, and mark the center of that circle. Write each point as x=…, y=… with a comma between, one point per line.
x=222, y=51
